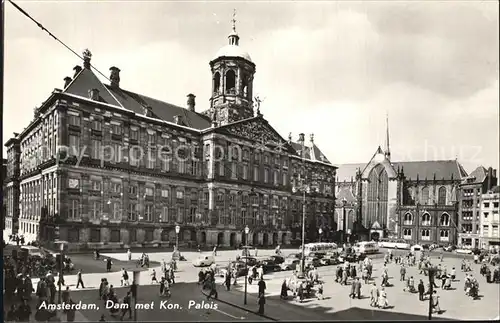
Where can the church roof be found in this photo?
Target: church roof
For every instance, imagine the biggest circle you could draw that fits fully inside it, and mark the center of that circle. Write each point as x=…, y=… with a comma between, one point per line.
x=344, y=193
x=447, y=169
x=477, y=176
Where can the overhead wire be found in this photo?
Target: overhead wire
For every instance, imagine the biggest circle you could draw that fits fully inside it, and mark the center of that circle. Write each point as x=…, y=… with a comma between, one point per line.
x=43, y=28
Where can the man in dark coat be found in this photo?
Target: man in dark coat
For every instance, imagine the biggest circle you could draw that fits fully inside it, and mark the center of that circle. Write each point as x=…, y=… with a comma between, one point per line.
x=262, y=302
x=421, y=290
x=402, y=272
x=262, y=285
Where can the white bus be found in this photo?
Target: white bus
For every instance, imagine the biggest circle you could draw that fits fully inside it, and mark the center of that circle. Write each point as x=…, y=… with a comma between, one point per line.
x=394, y=244
x=366, y=247
x=319, y=248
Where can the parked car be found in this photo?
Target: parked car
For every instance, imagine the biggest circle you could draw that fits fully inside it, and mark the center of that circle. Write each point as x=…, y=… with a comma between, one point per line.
x=450, y=248
x=277, y=259
x=464, y=251
x=290, y=264
x=241, y=268
x=312, y=261
x=251, y=261
x=426, y=246
x=330, y=260
x=294, y=256
x=351, y=257
x=269, y=266
x=204, y=261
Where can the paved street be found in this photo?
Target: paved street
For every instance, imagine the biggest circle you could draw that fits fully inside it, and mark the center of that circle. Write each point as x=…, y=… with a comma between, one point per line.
x=337, y=304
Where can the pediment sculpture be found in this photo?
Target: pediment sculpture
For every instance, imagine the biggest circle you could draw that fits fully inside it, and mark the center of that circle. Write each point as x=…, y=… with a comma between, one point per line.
x=256, y=131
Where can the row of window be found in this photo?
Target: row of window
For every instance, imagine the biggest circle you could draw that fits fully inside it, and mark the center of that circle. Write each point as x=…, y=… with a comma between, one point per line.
x=426, y=219
x=426, y=233
x=492, y=233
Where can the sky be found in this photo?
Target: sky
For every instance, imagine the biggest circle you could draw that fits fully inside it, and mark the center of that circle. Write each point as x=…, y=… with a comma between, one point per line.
x=335, y=69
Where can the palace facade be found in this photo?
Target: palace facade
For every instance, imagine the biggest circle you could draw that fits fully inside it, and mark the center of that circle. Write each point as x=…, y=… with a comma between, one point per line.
x=100, y=166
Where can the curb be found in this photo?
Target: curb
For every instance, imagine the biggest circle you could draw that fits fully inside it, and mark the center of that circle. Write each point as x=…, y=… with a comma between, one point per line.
x=242, y=308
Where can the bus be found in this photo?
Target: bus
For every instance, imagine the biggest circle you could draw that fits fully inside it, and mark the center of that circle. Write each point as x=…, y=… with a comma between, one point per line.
x=321, y=248
x=394, y=244
x=366, y=247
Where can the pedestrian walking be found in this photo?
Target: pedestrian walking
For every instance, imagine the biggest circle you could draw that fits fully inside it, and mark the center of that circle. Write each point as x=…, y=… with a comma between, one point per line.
x=127, y=308
x=284, y=290
x=215, y=250
x=374, y=294
x=153, y=277
x=320, y=291
x=421, y=290
x=79, y=279
x=109, y=263
x=262, y=285
x=129, y=255
x=227, y=280
x=213, y=290
x=402, y=272
x=382, y=301
x=262, y=302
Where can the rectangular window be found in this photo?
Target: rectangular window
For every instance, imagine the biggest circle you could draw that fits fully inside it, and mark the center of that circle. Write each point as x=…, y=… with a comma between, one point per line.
x=221, y=168
x=276, y=178
x=115, y=235
x=182, y=167
x=116, y=188
x=96, y=210
x=97, y=125
x=256, y=173
x=244, y=172
x=95, y=235
x=284, y=179
x=148, y=213
x=164, y=193
x=149, y=191
x=132, y=190
x=192, y=214
x=74, y=209
x=180, y=214
x=96, y=149
x=151, y=139
x=151, y=158
x=194, y=168
x=164, y=214
x=95, y=185
x=74, y=120
x=165, y=162
x=179, y=194
x=74, y=145
x=117, y=211
x=266, y=175
x=134, y=135
x=117, y=153
x=116, y=129
x=234, y=172
x=132, y=212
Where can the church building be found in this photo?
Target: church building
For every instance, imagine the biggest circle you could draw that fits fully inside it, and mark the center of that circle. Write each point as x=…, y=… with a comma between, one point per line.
x=416, y=201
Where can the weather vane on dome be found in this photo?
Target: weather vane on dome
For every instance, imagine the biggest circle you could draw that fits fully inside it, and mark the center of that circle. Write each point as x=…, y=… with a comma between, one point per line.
x=234, y=20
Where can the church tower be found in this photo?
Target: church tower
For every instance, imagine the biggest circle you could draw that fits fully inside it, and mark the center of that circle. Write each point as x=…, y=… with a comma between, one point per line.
x=232, y=82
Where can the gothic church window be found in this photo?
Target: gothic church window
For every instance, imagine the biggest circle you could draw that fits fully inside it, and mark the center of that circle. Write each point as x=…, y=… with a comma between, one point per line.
x=426, y=219
x=230, y=82
x=408, y=219
x=425, y=196
x=445, y=220
x=442, y=195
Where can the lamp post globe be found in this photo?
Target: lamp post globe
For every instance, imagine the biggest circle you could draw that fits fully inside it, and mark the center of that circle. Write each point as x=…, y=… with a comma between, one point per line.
x=320, y=231
x=177, y=229
x=247, y=229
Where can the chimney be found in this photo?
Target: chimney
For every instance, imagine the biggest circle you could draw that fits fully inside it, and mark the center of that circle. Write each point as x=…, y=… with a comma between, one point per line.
x=114, y=76
x=490, y=178
x=94, y=94
x=178, y=119
x=191, y=102
x=67, y=80
x=77, y=70
x=290, y=138
x=311, y=138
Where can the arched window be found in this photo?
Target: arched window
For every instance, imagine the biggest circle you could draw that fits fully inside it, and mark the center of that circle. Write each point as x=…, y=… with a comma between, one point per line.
x=407, y=233
x=445, y=220
x=230, y=82
x=442, y=195
x=426, y=234
x=425, y=196
x=244, y=85
x=426, y=219
x=350, y=220
x=217, y=83
x=408, y=219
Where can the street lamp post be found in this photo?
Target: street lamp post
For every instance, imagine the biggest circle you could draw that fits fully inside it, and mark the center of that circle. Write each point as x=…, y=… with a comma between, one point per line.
x=61, y=263
x=246, y=265
x=320, y=231
x=431, y=271
x=344, y=202
x=177, y=230
x=303, y=187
